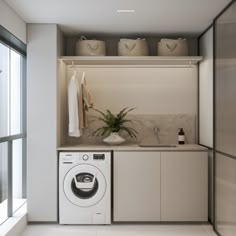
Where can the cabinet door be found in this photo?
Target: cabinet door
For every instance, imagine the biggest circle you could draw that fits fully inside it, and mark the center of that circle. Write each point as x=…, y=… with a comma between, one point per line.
x=136, y=186
x=184, y=186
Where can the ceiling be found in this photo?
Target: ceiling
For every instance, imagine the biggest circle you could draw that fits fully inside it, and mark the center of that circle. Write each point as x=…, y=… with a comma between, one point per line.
x=100, y=16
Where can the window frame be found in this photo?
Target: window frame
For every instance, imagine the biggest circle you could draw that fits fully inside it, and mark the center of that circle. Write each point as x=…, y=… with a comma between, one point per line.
x=13, y=43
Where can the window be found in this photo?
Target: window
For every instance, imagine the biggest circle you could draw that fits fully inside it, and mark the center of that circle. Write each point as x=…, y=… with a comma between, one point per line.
x=12, y=131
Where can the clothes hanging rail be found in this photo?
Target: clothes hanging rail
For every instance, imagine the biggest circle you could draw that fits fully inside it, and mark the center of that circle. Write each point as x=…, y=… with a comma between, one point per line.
x=120, y=61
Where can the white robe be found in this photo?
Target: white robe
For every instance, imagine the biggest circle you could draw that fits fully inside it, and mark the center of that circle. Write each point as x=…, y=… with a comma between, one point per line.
x=73, y=94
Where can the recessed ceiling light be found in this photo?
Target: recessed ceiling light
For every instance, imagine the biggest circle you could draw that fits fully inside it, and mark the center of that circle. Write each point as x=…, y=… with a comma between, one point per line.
x=125, y=11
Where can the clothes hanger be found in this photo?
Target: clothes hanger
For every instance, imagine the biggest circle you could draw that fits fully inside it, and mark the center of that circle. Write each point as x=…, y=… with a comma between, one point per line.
x=72, y=66
x=83, y=80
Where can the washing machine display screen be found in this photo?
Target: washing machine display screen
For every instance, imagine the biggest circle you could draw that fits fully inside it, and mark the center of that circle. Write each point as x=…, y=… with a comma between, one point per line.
x=84, y=185
x=98, y=156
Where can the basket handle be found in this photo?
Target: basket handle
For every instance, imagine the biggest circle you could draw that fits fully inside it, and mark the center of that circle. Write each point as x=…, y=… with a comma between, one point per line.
x=83, y=38
x=93, y=48
x=130, y=48
x=171, y=47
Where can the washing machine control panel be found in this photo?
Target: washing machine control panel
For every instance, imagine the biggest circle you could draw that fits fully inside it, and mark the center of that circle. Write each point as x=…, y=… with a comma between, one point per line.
x=77, y=157
x=95, y=157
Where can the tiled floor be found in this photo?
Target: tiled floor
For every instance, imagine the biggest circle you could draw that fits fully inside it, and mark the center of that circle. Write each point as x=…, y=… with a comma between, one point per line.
x=119, y=230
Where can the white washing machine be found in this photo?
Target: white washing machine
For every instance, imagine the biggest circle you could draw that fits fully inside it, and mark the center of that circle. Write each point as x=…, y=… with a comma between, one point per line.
x=85, y=188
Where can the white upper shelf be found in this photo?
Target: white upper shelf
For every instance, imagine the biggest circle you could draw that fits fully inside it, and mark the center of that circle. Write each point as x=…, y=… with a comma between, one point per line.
x=132, y=60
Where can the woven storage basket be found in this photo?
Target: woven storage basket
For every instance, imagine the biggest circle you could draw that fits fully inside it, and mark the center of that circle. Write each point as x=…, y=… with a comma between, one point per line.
x=85, y=47
x=132, y=47
x=172, y=47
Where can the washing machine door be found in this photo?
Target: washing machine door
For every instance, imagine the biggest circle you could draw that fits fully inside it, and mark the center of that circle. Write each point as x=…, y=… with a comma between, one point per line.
x=84, y=185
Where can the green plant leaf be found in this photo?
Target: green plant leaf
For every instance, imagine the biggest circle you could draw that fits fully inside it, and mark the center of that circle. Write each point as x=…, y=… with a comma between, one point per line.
x=121, y=112
x=102, y=113
x=114, y=122
x=131, y=109
x=125, y=121
x=130, y=131
x=98, y=131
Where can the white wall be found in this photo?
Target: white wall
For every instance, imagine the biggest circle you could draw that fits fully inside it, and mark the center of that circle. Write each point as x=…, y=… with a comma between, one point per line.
x=150, y=90
x=206, y=90
x=12, y=22
x=41, y=122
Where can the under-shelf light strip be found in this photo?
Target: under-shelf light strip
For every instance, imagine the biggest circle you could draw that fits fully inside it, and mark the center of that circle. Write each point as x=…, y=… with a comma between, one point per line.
x=125, y=11
x=131, y=66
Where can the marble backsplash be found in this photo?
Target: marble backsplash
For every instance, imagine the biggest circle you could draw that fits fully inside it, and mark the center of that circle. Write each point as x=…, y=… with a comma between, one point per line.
x=168, y=125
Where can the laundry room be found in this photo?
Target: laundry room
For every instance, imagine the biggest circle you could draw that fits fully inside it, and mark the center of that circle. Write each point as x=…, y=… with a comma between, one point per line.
x=116, y=117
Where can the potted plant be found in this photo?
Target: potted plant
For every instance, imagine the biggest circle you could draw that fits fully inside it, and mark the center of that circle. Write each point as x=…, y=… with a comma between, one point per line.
x=113, y=124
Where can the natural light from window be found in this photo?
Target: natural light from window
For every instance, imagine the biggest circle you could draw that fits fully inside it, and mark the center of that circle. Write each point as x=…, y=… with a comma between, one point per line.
x=11, y=123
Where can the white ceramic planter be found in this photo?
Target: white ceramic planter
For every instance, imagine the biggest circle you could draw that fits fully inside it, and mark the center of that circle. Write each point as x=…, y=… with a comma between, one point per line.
x=114, y=139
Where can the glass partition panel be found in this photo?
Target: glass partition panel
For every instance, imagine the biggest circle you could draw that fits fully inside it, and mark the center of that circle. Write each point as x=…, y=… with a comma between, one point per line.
x=225, y=122
x=225, y=82
x=225, y=195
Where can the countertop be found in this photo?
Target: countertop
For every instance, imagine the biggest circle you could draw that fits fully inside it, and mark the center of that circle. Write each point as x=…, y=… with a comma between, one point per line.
x=131, y=147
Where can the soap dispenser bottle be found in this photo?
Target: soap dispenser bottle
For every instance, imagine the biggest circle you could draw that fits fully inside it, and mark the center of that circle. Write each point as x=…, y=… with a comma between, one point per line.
x=181, y=136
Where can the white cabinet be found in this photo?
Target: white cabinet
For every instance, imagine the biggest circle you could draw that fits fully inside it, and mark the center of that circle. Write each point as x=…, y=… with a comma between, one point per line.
x=136, y=186
x=184, y=186
x=160, y=186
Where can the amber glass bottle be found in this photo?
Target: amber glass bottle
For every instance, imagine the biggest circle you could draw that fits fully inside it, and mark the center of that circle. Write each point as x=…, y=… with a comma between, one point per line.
x=181, y=136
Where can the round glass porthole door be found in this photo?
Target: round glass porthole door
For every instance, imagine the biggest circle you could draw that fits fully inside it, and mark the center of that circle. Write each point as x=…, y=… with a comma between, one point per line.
x=84, y=185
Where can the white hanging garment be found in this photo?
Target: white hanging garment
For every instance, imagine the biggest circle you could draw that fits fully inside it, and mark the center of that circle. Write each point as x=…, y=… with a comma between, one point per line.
x=73, y=94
